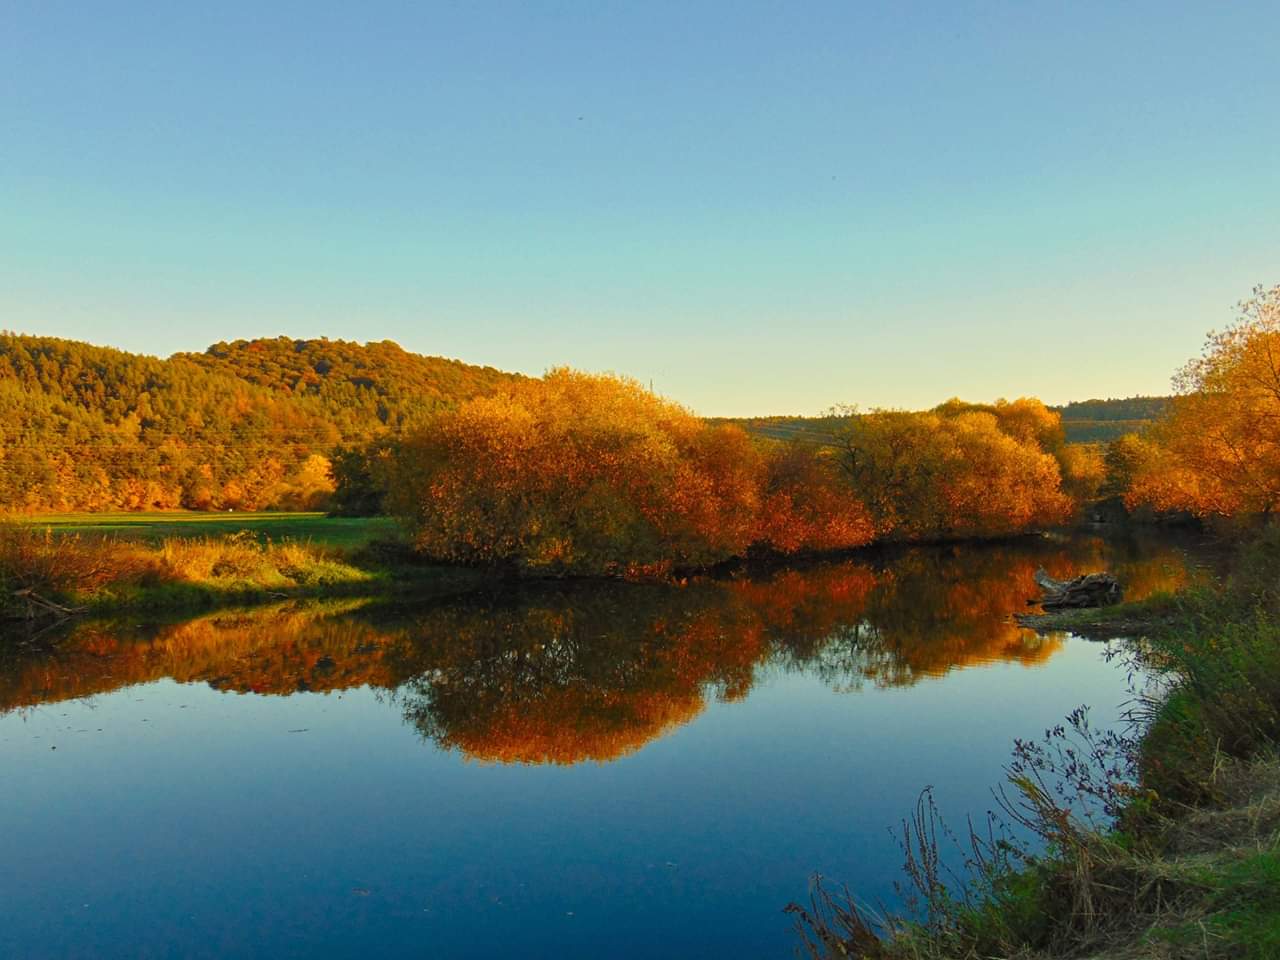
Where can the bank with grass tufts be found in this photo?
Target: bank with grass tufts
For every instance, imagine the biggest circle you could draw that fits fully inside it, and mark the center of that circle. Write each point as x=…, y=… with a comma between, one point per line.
x=1161, y=843
x=1160, y=613
x=43, y=574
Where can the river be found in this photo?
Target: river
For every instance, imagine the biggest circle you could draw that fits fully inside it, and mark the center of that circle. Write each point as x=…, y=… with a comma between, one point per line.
x=573, y=770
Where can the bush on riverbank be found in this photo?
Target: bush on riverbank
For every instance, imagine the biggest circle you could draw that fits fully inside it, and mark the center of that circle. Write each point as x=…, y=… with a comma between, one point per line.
x=1185, y=859
x=588, y=475
x=583, y=475
x=70, y=571
x=958, y=471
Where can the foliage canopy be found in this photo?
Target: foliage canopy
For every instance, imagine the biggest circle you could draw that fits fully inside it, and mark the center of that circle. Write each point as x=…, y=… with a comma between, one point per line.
x=577, y=474
x=1217, y=451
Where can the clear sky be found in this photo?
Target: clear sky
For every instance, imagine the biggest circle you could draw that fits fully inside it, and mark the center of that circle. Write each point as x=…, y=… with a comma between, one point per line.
x=762, y=207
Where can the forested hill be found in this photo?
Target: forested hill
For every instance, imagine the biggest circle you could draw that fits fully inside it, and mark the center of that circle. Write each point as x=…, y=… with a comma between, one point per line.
x=358, y=385
x=1130, y=408
x=243, y=425
x=1095, y=421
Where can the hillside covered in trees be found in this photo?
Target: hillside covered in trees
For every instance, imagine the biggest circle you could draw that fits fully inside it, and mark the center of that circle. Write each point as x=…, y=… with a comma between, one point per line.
x=245, y=425
x=361, y=387
x=276, y=423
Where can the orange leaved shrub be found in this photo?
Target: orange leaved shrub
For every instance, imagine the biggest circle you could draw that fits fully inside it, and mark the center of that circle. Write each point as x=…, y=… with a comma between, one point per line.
x=576, y=474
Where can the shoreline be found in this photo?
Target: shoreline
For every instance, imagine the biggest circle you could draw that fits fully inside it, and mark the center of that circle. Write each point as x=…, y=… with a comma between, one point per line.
x=1157, y=614
x=1184, y=860
x=176, y=574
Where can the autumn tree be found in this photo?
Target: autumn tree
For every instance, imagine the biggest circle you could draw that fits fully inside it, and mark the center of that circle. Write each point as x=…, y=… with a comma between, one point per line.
x=1217, y=451
x=1084, y=470
x=576, y=474
x=360, y=477
x=951, y=472
x=1127, y=458
x=806, y=505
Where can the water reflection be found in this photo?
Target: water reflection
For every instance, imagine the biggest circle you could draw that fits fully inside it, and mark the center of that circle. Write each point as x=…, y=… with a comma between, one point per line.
x=563, y=674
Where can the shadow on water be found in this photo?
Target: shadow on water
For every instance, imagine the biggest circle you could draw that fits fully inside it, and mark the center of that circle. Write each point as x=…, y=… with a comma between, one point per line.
x=573, y=672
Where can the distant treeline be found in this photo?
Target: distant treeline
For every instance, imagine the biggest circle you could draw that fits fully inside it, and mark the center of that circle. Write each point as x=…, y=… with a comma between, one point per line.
x=1083, y=421
x=1129, y=409
x=245, y=425
x=1100, y=421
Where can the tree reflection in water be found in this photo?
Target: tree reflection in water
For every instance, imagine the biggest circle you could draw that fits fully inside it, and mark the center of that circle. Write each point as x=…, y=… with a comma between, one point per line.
x=563, y=673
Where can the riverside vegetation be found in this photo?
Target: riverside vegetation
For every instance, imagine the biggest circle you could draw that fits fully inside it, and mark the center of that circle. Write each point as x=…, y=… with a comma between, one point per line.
x=47, y=573
x=1163, y=842
x=579, y=475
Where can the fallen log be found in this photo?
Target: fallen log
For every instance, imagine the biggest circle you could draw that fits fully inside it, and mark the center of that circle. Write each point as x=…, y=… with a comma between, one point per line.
x=1090, y=590
x=38, y=605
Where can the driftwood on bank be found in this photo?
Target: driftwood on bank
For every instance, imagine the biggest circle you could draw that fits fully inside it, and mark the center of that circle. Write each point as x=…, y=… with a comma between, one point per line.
x=38, y=606
x=1090, y=590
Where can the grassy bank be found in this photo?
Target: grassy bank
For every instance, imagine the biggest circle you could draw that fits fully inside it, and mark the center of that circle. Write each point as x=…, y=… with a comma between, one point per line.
x=1164, y=843
x=1159, y=614
x=156, y=526
x=44, y=573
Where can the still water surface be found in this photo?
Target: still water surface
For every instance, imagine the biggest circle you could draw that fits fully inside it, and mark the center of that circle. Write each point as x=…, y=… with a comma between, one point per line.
x=584, y=771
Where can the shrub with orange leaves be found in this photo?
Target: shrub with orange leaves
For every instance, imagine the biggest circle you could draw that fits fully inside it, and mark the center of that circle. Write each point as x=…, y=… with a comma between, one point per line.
x=958, y=471
x=807, y=505
x=586, y=475
x=1084, y=470
x=577, y=474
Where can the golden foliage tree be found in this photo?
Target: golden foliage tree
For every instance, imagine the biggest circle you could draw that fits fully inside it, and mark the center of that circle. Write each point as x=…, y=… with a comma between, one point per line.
x=1217, y=451
x=1084, y=470
x=806, y=505
x=957, y=471
x=577, y=474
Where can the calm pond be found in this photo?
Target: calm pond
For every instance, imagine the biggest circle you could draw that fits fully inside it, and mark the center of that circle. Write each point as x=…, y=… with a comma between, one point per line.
x=582, y=771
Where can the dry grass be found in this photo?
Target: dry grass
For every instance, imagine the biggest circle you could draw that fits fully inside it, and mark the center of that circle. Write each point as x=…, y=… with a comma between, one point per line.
x=106, y=572
x=242, y=559
x=1205, y=886
x=32, y=559
x=1248, y=813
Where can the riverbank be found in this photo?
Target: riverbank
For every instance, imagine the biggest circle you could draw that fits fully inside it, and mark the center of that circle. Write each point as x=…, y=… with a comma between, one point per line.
x=47, y=575
x=165, y=563
x=1160, y=613
x=1163, y=844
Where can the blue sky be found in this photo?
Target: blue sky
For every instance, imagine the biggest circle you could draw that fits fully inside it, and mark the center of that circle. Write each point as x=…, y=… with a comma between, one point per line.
x=762, y=207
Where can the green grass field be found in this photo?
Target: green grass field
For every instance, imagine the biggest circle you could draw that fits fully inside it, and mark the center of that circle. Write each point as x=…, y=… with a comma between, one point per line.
x=314, y=527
